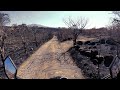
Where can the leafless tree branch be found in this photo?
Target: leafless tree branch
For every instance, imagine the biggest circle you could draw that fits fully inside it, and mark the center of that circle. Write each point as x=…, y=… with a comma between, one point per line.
x=76, y=25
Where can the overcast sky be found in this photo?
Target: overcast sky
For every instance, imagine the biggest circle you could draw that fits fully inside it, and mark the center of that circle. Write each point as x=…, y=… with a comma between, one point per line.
x=55, y=18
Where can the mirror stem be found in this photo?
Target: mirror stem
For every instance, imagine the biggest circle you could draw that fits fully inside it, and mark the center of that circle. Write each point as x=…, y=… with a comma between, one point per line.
x=5, y=71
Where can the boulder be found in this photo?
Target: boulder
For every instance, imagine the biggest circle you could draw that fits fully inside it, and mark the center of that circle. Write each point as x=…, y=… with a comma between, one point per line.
x=79, y=43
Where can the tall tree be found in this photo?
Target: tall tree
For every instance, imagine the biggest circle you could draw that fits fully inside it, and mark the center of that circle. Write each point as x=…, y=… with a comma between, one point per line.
x=34, y=31
x=76, y=25
x=23, y=31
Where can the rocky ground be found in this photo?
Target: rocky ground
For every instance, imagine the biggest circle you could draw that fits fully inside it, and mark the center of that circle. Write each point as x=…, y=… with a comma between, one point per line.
x=90, y=69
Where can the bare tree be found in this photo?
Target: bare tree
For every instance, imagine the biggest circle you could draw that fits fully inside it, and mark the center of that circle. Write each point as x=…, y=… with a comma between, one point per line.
x=4, y=19
x=76, y=25
x=116, y=25
x=34, y=31
x=116, y=16
x=115, y=33
x=22, y=32
x=116, y=28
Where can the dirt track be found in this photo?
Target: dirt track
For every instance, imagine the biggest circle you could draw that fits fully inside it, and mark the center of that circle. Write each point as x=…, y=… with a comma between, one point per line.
x=48, y=61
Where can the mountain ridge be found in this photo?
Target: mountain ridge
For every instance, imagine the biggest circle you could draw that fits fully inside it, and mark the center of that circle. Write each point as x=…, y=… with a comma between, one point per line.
x=38, y=25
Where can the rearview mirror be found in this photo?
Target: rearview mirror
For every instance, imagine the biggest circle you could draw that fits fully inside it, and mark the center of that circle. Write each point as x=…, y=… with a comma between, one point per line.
x=10, y=68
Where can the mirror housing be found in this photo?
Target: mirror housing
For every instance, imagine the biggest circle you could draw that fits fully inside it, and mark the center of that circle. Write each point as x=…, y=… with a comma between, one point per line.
x=10, y=68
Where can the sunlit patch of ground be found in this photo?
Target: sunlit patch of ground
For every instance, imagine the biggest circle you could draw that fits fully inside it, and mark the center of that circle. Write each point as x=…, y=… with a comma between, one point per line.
x=83, y=38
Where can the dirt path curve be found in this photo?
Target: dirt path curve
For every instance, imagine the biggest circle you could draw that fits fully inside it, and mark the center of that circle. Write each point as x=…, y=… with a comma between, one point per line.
x=48, y=62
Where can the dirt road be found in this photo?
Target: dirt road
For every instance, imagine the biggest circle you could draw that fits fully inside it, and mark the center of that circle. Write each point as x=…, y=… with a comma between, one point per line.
x=48, y=62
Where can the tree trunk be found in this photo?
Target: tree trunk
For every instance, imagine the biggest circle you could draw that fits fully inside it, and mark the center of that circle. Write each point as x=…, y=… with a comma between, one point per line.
x=35, y=39
x=75, y=40
x=24, y=46
x=36, y=42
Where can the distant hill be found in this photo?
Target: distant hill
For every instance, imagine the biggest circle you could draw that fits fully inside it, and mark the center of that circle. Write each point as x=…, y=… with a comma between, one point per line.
x=36, y=25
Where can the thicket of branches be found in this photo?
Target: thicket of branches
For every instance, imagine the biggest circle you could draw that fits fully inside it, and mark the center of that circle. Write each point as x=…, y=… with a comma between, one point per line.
x=23, y=40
